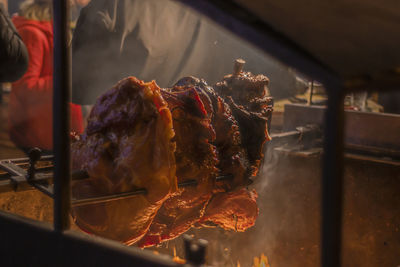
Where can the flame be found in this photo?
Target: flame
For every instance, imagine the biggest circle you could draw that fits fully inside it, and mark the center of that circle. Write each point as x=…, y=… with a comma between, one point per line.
x=177, y=259
x=258, y=262
x=261, y=262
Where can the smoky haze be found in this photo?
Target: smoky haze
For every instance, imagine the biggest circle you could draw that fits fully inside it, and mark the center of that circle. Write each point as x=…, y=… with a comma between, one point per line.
x=162, y=41
x=287, y=229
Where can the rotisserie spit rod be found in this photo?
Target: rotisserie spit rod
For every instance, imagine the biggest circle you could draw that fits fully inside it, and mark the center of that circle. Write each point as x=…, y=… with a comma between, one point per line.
x=20, y=179
x=123, y=195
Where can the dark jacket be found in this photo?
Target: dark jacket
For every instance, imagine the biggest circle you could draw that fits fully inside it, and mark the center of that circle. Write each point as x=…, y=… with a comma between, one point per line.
x=31, y=97
x=156, y=40
x=13, y=53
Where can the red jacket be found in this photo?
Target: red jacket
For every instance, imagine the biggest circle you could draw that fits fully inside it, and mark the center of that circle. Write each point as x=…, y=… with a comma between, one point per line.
x=30, y=108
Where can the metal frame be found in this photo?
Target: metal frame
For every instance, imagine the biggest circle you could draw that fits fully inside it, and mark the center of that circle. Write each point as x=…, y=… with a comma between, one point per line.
x=25, y=242
x=45, y=245
x=332, y=181
x=61, y=118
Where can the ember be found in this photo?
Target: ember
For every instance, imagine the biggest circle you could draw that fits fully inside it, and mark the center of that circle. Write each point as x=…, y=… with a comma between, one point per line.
x=261, y=262
x=177, y=259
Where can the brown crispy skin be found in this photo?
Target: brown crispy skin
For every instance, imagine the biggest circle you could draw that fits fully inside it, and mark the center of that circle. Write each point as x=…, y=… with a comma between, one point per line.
x=231, y=155
x=236, y=210
x=127, y=145
x=245, y=94
x=196, y=160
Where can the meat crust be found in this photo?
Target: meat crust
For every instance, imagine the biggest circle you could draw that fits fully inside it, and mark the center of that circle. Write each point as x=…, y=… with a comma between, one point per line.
x=246, y=95
x=127, y=145
x=196, y=160
x=230, y=152
x=141, y=136
x=236, y=210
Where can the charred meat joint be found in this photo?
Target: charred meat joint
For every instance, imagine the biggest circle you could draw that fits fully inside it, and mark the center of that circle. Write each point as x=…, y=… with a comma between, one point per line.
x=141, y=136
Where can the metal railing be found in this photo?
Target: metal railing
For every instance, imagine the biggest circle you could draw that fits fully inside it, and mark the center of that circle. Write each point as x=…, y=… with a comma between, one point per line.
x=61, y=118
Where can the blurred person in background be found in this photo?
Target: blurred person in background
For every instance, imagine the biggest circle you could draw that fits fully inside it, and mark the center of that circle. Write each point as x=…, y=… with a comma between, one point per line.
x=13, y=53
x=76, y=6
x=4, y=6
x=13, y=6
x=158, y=40
x=31, y=97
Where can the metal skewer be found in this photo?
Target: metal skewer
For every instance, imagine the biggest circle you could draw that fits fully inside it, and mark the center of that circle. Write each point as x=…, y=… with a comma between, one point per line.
x=311, y=92
x=19, y=179
x=124, y=195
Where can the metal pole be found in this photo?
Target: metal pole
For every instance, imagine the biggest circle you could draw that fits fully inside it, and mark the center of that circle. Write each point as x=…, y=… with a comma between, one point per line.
x=311, y=92
x=332, y=181
x=61, y=97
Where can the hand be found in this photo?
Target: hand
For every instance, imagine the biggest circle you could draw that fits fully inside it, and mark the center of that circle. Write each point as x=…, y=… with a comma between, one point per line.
x=82, y=3
x=5, y=4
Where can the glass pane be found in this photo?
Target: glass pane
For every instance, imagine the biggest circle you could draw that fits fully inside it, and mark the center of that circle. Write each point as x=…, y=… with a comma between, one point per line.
x=269, y=205
x=26, y=110
x=372, y=176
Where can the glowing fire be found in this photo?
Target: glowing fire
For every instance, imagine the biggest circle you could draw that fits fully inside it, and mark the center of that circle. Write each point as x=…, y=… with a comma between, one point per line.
x=262, y=261
x=177, y=259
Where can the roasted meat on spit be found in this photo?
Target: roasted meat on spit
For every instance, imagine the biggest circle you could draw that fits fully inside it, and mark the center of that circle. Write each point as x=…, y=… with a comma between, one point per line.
x=196, y=159
x=141, y=136
x=126, y=145
x=246, y=95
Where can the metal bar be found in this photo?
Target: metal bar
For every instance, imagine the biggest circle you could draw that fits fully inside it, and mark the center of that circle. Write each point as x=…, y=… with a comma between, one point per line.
x=26, y=160
x=311, y=92
x=48, y=190
x=20, y=183
x=61, y=97
x=373, y=151
x=309, y=131
x=371, y=159
x=42, y=246
x=140, y=191
x=42, y=181
x=107, y=198
x=4, y=174
x=223, y=177
x=12, y=169
x=188, y=183
x=332, y=181
x=82, y=174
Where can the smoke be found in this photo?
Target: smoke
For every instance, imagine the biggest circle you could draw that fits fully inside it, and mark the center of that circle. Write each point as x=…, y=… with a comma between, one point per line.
x=287, y=229
x=115, y=39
